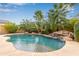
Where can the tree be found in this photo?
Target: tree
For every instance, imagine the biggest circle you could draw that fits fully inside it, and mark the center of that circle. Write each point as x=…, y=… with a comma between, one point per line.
x=57, y=15
x=39, y=20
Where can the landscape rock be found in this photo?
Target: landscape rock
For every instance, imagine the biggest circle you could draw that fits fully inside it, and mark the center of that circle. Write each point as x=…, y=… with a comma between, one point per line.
x=66, y=34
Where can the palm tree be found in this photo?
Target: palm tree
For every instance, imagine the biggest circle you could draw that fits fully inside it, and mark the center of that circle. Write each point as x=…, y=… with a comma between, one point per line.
x=57, y=16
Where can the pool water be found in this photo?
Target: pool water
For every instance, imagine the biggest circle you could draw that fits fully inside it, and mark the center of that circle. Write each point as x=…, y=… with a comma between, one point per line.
x=35, y=43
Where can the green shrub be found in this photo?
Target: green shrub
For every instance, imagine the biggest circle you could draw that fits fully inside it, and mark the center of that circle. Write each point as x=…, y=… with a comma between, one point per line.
x=69, y=26
x=45, y=32
x=11, y=27
x=72, y=23
x=23, y=27
x=76, y=31
x=28, y=26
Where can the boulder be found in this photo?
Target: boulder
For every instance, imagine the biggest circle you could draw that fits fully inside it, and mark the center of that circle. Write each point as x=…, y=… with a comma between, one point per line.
x=62, y=34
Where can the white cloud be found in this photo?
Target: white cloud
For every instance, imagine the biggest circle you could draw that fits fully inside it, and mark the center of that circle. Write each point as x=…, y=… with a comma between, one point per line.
x=18, y=4
x=22, y=4
x=7, y=10
x=14, y=5
x=11, y=5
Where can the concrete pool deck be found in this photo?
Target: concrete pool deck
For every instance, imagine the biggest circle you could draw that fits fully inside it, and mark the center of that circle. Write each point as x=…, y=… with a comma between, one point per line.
x=7, y=49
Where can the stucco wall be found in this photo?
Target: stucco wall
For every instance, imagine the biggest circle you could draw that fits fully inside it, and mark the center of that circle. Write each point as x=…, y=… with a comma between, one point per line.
x=2, y=29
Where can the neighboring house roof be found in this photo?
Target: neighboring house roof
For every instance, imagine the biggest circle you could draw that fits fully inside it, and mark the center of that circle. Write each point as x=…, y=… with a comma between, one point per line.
x=3, y=21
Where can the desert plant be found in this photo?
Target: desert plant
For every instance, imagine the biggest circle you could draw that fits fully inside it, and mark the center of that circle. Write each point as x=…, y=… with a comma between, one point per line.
x=76, y=31
x=11, y=27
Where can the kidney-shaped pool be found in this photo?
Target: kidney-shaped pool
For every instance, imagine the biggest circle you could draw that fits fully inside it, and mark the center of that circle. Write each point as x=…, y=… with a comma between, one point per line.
x=35, y=43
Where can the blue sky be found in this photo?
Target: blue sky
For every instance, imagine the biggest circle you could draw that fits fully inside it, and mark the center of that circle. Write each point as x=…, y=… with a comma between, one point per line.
x=16, y=12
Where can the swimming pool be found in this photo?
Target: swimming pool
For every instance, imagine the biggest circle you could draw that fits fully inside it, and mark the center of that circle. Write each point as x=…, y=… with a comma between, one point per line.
x=35, y=43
